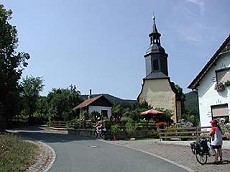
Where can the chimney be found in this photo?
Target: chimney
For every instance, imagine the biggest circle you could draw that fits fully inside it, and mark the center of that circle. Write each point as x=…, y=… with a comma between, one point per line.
x=90, y=94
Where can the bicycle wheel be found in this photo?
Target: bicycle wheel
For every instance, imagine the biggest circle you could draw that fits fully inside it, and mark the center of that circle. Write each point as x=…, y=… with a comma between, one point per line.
x=96, y=134
x=99, y=135
x=201, y=157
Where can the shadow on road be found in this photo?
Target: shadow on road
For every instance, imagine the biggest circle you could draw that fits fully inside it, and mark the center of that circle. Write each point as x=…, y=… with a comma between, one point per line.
x=224, y=162
x=47, y=135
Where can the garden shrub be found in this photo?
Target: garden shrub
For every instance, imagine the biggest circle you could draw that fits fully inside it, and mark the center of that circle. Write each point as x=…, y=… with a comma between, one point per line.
x=153, y=134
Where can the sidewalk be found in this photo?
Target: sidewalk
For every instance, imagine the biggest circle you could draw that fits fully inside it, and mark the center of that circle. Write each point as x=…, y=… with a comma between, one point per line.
x=226, y=143
x=178, y=152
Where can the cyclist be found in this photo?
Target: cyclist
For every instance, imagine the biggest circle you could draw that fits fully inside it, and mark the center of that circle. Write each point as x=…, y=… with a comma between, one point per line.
x=100, y=127
x=216, y=140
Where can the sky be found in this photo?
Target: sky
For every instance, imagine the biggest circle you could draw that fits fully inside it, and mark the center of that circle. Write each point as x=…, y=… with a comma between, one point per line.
x=100, y=44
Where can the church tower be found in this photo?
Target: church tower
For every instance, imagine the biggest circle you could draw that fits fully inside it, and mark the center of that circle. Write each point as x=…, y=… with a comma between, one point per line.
x=155, y=57
x=157, y=89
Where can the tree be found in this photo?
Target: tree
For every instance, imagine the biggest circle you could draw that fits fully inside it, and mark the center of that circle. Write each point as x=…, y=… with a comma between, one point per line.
x=132, y=111
x=181, y=97
x=192, y=116
x=61, y=103
x=42, y=106
x=11, y=67
x=117, y=111
x=166, y=117
x=31, y=87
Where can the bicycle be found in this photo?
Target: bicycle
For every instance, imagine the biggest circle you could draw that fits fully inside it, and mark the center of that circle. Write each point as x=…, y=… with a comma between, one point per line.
x=201, y=149
x=100, y=133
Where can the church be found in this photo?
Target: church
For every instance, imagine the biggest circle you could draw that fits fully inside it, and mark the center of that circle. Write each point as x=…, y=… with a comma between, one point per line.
x=157, y=89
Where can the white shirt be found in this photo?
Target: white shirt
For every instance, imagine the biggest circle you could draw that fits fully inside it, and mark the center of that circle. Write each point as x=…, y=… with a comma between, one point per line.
x=216, y=138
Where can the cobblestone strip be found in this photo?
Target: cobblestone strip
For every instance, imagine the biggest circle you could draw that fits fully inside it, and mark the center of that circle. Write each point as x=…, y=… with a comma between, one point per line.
x=45, y=159
x=179, y=154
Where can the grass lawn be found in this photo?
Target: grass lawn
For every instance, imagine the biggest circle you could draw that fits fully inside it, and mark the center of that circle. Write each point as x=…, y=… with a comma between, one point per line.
x=16, y=155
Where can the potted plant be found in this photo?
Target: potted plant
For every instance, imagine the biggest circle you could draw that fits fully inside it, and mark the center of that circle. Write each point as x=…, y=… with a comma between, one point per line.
x=115, y=130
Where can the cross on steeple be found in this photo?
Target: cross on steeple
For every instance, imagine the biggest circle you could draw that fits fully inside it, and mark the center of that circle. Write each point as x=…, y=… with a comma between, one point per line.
x=154, y=19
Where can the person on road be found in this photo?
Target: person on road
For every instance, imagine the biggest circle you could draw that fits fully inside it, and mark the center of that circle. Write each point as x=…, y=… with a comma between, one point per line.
x=100, y=127
x=216, y=140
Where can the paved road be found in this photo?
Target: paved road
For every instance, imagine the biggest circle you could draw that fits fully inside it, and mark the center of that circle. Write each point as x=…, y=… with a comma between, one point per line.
x=179, y=152
x=74, y=154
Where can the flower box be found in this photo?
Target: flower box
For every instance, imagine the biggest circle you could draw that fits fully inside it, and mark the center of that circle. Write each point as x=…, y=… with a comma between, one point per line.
x=219, y=87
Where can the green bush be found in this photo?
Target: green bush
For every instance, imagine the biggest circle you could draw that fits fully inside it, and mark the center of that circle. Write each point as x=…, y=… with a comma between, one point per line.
x=108, y=124
x=153, y=134
x=130, y=127
x=226, y=130
x=115, y=129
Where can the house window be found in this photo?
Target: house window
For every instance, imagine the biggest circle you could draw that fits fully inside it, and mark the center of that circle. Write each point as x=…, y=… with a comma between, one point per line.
x=104, y=113
x=155, y=65
x=220, y=110
x=223, y=75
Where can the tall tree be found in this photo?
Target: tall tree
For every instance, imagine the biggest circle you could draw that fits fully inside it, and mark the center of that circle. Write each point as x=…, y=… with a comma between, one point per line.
x=182, y=97
x=61, y=103
x=12, y=64
x=31, y=88
x=42, y=107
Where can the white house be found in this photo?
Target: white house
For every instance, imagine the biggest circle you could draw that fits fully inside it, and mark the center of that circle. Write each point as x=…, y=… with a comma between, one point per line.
x=98, y=104
x=213, y=86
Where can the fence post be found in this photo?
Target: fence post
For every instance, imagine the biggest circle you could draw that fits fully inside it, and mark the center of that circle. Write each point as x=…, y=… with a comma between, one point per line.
x=159, y=133
x=197, y=135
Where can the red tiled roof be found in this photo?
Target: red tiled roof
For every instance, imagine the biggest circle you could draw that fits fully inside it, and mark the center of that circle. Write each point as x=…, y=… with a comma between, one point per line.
x=87, y=102
x=207, y=67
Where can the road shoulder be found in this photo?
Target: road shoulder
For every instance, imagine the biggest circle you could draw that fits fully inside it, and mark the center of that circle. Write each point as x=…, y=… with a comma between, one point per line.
x=45, y=159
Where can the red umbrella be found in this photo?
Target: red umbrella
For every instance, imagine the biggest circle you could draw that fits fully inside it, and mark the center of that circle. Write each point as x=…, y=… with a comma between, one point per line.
x=151, y=112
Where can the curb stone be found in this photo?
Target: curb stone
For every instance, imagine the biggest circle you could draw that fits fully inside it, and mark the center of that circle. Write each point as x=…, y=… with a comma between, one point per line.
x=45, y=159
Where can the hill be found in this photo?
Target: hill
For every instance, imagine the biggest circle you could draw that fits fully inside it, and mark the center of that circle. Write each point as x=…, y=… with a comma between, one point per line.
x=191, y=101
x=113, y=99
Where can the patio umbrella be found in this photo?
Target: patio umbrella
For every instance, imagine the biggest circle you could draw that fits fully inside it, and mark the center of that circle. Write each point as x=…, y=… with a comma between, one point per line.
x=152, y=113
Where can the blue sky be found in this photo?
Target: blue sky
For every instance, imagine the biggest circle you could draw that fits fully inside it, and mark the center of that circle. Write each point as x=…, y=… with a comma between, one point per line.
x=100, y=44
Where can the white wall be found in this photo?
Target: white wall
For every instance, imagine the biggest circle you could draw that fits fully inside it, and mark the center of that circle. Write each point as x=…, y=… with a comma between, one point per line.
x=207, y=95
x=99, y=108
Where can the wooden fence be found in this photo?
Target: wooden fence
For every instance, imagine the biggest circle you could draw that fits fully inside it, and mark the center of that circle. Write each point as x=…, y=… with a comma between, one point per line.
x=188, y=133
x=58, y=124
x=146, y=125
